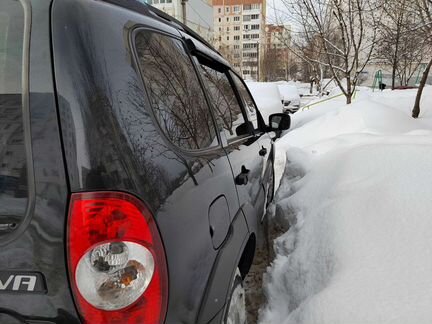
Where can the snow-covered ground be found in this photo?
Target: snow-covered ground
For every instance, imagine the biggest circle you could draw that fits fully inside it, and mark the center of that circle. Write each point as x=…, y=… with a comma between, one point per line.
x=357, y=194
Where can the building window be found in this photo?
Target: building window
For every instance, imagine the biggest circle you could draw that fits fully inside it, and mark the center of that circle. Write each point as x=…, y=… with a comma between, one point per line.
x=246, y=36
x=236, y=46
x=246, y=17
x=250, y=55
x=247, y=7
x=219, y=19
x=255, y=16
x=227, y=18
x=227, y=37
x=236, y=27
x=237, y=18
x=219, y=10
x=255, y=36
x=227, y=29
x=227, y=9
x=255, y=6
x=246, y=27
x=255, y=26
x=245, y=72
x=250, y=45
x=236, y=9
x=237, y=37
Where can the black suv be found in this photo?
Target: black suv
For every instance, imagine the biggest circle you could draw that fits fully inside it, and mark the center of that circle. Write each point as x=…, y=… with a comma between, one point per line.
x=135, y=168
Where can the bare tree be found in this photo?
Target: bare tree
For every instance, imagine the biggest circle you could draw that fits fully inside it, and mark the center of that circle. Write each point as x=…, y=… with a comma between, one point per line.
x=344, y=36
x=399, y=46
x=270, y=64
x=416, y=109
x=309, y=51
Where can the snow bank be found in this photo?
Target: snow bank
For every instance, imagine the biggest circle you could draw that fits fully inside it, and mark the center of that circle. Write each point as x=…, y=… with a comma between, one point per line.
x=357, y=194
x=267, y=97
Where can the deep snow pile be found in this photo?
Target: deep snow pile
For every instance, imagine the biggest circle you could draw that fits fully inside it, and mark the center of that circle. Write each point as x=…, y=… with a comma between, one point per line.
x=357, y=193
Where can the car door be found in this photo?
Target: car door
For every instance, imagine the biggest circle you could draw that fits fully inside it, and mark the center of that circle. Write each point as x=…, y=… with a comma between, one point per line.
x=264, y=140
x=195, y=217
x=238, y=138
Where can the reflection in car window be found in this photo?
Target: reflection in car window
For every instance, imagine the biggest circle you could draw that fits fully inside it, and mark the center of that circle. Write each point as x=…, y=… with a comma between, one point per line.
x=176, y=96
x=13, y=166
x=248, y=102
x=223, y=100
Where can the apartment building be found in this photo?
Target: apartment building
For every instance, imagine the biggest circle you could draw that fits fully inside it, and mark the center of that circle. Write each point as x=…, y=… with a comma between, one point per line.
x=239, y=30
x=199, y=14
x=278, y=36
x=277, y=61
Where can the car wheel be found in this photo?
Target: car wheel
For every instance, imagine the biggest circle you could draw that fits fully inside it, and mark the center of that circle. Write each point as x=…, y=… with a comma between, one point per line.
x=270, y=185
x=236, y=310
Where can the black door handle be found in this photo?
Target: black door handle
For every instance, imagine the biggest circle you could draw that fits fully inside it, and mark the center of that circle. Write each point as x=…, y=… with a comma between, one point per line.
x=263, y=151
x=242, y=178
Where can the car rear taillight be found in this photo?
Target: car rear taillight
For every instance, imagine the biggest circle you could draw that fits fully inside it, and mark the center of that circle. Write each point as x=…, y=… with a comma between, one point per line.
x=116, y=260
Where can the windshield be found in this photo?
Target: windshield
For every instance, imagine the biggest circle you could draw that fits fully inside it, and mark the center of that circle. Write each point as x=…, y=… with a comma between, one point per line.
x=13, y=172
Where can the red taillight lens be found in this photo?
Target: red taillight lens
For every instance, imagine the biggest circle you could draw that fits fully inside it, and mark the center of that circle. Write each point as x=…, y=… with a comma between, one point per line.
x=116, y=259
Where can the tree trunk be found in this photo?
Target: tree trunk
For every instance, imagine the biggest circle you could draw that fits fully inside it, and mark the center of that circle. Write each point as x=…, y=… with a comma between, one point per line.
x=321, y=79
x=396, y=54
x=348, y=94
x=416, y=109
x=394, y=74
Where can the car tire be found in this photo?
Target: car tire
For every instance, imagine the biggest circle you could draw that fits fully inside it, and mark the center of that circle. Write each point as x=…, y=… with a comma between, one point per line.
x=236, y=305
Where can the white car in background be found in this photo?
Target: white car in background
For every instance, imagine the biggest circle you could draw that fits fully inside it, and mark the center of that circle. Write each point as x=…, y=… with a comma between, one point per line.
x=290, y=97
x=267, y=97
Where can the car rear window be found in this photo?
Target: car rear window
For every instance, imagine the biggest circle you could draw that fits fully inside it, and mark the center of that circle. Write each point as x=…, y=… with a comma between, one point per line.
x=13, y=166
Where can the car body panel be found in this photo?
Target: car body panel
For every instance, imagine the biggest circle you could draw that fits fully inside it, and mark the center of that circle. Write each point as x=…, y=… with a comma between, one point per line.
x=223, y=272
x=106, y=99
x=92, y=129
x=40, y=246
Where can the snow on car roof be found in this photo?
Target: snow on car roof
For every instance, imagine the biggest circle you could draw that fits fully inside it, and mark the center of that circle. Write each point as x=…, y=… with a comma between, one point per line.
x=267, y=97
x=288, y=92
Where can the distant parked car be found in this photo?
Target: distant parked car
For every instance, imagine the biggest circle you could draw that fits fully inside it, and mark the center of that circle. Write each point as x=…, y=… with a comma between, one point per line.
x=290, y=98
x=267, y=97
x=135, y=168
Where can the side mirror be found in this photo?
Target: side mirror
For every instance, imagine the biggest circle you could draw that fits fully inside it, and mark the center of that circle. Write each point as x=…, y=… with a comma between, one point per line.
x=279, y=122
x=244, y=129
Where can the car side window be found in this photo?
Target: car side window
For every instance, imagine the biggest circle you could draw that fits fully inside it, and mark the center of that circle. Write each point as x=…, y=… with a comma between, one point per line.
x=251, y=110
x=224, y=102
x=173, y=87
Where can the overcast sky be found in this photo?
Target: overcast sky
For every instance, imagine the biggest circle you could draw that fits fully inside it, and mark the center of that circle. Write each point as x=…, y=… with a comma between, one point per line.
x=276, y=12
